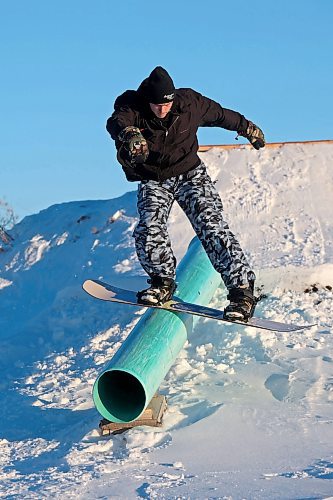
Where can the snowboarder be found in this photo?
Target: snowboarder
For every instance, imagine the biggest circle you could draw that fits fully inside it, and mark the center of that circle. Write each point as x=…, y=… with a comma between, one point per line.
x=155, y=129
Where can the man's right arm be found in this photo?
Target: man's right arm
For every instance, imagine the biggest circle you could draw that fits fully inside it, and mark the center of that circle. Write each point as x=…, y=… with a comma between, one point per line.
x=131, y=145
x=120, y=119
x=124, y=114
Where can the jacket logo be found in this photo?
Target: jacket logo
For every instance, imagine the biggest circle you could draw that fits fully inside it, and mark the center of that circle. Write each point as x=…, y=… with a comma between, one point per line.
x=170, y=97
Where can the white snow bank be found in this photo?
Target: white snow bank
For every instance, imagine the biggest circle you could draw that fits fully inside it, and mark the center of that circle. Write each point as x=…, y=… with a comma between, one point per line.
x=250, y=413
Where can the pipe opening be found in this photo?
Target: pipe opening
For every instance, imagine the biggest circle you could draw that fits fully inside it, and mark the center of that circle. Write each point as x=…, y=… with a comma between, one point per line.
x=122, y=395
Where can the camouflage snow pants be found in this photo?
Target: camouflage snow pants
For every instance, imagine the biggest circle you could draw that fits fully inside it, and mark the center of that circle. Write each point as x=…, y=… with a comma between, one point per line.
x=197, y=196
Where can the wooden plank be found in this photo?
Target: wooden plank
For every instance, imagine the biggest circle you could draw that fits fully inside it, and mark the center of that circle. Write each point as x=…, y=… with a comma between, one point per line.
x=203, y=148
x=152, y=416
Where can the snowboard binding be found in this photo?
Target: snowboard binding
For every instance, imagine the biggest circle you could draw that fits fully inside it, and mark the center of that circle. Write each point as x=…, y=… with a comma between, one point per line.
x=160, y=291
x=242, y=304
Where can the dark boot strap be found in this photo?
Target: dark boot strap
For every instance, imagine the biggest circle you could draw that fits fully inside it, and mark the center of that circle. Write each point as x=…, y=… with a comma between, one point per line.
x=240, y=293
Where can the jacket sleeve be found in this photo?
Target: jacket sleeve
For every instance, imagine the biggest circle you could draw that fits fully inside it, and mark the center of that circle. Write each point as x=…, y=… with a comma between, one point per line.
x=120, y=118
x=212, y=114
x=132, y=173
x=124, y=114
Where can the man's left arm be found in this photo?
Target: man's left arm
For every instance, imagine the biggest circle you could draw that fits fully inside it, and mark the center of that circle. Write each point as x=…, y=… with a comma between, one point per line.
x=212, y=114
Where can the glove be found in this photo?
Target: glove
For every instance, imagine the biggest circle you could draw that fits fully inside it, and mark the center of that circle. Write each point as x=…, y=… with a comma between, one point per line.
x=254, y=135
x=135, y=144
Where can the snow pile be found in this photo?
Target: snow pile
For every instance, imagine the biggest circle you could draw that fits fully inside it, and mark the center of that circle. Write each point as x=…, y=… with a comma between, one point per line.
x=250, y=413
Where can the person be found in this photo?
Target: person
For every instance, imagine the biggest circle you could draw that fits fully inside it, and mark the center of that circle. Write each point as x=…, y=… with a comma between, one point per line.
x=155, y=132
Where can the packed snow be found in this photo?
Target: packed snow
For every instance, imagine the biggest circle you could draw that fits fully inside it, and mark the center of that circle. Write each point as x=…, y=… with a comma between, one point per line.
x=250, y=412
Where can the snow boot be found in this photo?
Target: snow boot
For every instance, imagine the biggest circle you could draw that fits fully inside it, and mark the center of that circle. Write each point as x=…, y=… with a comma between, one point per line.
x=160, y=291
x=242, y=303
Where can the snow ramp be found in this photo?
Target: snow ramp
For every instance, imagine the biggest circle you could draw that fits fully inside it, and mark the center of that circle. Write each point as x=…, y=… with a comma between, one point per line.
x=250, y=413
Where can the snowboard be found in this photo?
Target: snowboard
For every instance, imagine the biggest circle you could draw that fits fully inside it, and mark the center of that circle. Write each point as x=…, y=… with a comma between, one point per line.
x=105, y=291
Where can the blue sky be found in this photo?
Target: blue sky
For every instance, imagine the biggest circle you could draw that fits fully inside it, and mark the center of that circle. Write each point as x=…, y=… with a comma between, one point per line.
x=63, y=63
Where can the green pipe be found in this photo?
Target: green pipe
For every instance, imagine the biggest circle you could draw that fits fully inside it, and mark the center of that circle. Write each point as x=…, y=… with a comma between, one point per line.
x=129, y=381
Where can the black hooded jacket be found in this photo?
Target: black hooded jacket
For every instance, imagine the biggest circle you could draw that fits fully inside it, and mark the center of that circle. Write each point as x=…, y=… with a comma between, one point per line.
x=172, y=141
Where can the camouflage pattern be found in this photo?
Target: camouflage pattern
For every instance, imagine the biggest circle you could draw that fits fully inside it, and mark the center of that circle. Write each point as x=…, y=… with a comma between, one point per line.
x=135, y=144
x=254, y=135
x=199, y=199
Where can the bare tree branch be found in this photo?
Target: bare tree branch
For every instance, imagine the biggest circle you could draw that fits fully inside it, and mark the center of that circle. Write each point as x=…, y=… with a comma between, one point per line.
x=7, y=221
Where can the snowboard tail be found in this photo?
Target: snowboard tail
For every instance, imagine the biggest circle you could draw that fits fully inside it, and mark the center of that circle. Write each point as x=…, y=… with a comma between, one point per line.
x=105, y=291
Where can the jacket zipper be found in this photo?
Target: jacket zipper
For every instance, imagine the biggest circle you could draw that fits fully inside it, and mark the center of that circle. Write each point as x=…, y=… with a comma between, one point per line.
x=166, y=133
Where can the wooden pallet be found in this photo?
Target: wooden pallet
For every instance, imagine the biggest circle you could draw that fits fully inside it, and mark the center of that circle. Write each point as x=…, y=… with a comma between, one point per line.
x=152, y=416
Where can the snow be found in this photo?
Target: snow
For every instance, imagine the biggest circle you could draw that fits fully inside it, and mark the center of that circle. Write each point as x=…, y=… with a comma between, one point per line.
x=250, y=412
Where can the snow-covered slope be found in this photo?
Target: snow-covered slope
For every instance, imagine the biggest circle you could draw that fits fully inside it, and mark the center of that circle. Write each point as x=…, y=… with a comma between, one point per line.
x=250, y=413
